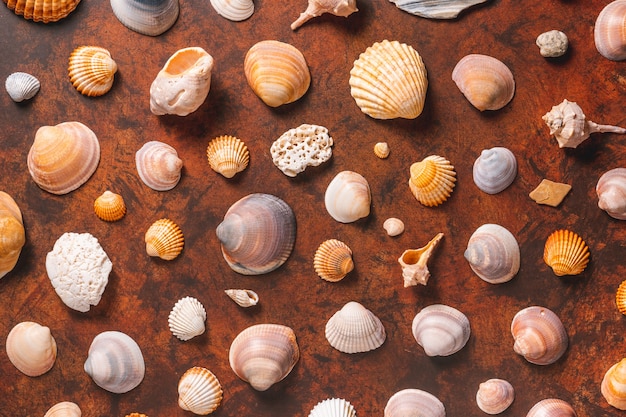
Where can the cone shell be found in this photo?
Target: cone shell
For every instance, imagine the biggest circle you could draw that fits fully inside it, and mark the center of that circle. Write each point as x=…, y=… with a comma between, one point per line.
x=164, y=239
x=91, y=70
x=613, y=385
x=110, y=206
x=348, y=197
x=277, y=72
x=393, y=226
x=381, y=150
x=31, y=348
x=12, y=233
x=432, y=180
x=389, y=80
x=234, y=10
x=566, y=253
x=264, y=354
x=64, y=409
x=539, y=335
x=63, y=157
x=486, y=82
x=21, y=86
x=42, y=10
x=551, y=407
x=440, y=329
x=493, y=254
x=611, y=190
x=227, y=155
x=186, y=320
x=257, y=234
x=409, y=401
x=158, y=165
x=150, y=18
x=333, y=407
x=620, y=297
x=243, y=298
x=494, y=170
x=333, y=260
x=608, y=32
x=495, y=395
x=199, y=391
x=355, y=329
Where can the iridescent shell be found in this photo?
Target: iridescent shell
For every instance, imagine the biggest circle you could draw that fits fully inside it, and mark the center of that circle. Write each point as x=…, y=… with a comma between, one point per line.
x=316, y=8
x=110, y=206
x=494, y=170
x=408, y=401
x=333, y=407
x=235, y=10
x=146, y=17
x=620, y=297
x=611, y=191
x=381, y=150
x=199, y=391
x=31, y=348
x=432, y=180
x=21, y=86
x=186, y=320
x=64, y=409
x=355, y=329
x=348, y=197
x=42, y=10
x=414, y=263
x=539, y=335
x=164, y=239
x=243, y=298
x=608, y=32
x=12, y=233
x=551, y=407
x=91, y=70
x=158, y=165
x=333, y=260
x=613, y=385
x=566, y=253
x=227, y=155
x=485, y=81
x=493, y=253
x=495, y=395
x=441, y=330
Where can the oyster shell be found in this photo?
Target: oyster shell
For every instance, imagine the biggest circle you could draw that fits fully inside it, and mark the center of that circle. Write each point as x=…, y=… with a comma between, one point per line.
x=414, y=263
x=164, y=239
x=12, y=233
x=333, y=260
x=150, y=18
x=551, y=407
x=613, y=386
x=539, y=335
x=608, y=31
x=301, y=147
x=243, y=298
x=31, y=348
x=486, y=82
x=381, y=150
x=494, y=170
x=409, y=401
x=45, y=11
x=440, y=9
x=355, y=329
x=227, y=155
x=495, y=395
x=158, y=165
x=440, y=329
x=110, y=206
x=493, y=253
x=199, y=391
x=566, y=253
x=186, y=320
x=611, y=191
x=235, y=10
x=316, y=8
x=21, y=86
x=91, y=70
x=432, y=180
x=64, y=409
x=333, y=407
x=348, y=198
x=393, y=226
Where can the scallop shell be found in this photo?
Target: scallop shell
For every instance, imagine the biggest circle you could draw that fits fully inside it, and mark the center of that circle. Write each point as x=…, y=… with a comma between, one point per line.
x=235, y=10
x=611, y=190
x=150, y=18
x=31, y=348
x=21, y=86
x=91, y=70
x=348, y=198
x=158, y=165
x=432, y=180
x=186, y=320
x=257, y=234
x=12, y=233
x=566, y=253
x=613, y=385
x=333, y=407
x=608, y=32
x=243, y=298
x=389, y=80
x=63, y=157
x=277, y=72
x=164, y=239
x=227, y=155
x=493, y=253
x=199, y=391
x=45, y=11
x=110, y=206
x=485, y=81
x=441, y=330
x=264, y=354
x=539, y=335
x=393, y=226
x=355, y=329
x=495, y=395
x=551, y=407
x=414, y=263
x=494, y=170
x=64, y=409
x=333, y=260
x=115, y=362
x=316, y=8
x=620, y=297
x=381, y=150
x=409, y=401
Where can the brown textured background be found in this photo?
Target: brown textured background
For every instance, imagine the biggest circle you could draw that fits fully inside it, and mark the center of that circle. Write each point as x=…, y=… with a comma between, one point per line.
x=142, y=290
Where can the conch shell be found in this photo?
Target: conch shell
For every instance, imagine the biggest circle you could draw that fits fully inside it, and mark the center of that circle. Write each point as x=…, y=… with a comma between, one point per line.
x=494, y=396
x=493, y=253
x=333, y=407
x=158, y=165
x=333, y=260
x=566, y=253
x=110, y=206
x=408, y=401
x=608, y=32
x=45, y=11
x=91, y=70
x=414, y=263
x=494, y=170
x=12, y=233
x=432, y=180
x=64, y=409
x=355, y=329
x=441, y=330
x=348, y=197
x=31, y=348
x=611, y=190
x=613, y=385
x=486, y=82
x=539, y=335
x=551, y=407
x=199, y=391
x=150, y=18
x=164, y=239
x=316, y=8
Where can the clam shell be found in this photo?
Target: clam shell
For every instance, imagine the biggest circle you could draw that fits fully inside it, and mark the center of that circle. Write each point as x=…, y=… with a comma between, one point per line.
x=611, y=190
x=243, y=298
x=485, y=81
x=42, y=10
x=257, y=234
x=235, y=10
x=389, y=80
x=381, y=150
x=613, y=386
x=91, y=70
x=186, y=320
x=355, y=329
x=393, y=226
x=608, y=32
x=110, y=206
x=31, y=348
x=199, y=391
x=12, y=233
x=414, y=263
x=441, y=330
x=551, y=407
x=227, y=155
x=316, y=8
x=566, y=253
x=409, y=401
x=348, y=198
x=115, y=362
x=146, y=17
x=620, y=297
x=495, y=395
x=333, y=407
x=333, y=260
x=441, y=9
x=539, y=335
x=277, y=72
x=493, y=253
x=158, y=165
x=164, y=239
x=494, y=170
x=21, y=86
x=64, y=409
x=432, y=180
x=63, y=157
x=264, y=354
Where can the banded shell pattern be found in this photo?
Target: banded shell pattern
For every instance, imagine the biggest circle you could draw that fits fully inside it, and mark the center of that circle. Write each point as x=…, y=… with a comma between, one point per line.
x=110, y=206
x=551, y=407
x=31, y=348
x=150, y=18
x=91, y=70
x=613, y=386
x=495, y=395
x=64, y=409
x=608, y=31
x=355, y=329
x=12, y=233
x=164, y=239
x=407, y=401
x=227, y=155
x=333, y=407
x=199, y=391
x=234, y=10
x=486, y=82
x=611, y=191
x=566, y=253
x=243, y=298
x=539, y=335
x=158, y=165
x=494, y=170
x=333, y=260
x=21, y=86
x=348, y=197
x=186, y=320
x=432, y=180
x=440, y=329
x=44, y=11
x=493, y=253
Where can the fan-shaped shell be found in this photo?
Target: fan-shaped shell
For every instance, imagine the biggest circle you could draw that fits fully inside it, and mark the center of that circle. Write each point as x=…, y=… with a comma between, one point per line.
x=355, y=329
x=63, y=157
x=348, y=197
x=12, y=233
x=393, y=226
x=227, y=155
x=495, y=395
x=539, y=335
x=440, y=329
x=257, y=234
x=551, y=407
x=91, y=70
x=243, y=298
x=566, y=253
x=494, y=170
x=389, y=80
x=264, y=354
x=199, y=391
x=381, y=150
x=235, y=10
x=21, y=86
x=31, y=348
x=64, y=409
x=277, y=72
x=42, y=10
x=485, y=81
x=333, y=407
x=146, y=17
x=432, y=180
x=493, y=253
x=620, y=297
x=158, y=165
x=186, y=320
x=611, y=190
x=408, y=401
x=613, y=385
x=110, y=206
x=164, y=239
x=608, y=32
x=333, y=260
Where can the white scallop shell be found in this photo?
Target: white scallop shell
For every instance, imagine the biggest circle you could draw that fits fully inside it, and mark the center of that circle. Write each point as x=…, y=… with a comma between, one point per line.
x=494, y=170
x=355, y=329
x=441, y=330
x=414, y=402
x=186, y=320
x=235, y=10
x=348, y=197
x=493, y=253
x=146, y=17
x=21, y=86
x=199, y=391
x=333, y=407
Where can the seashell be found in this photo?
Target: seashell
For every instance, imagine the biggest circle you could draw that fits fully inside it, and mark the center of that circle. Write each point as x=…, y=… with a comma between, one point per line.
x=333, y=260
x=613, y=385
x=441, y=330
x=620, y=297
x=136, y=415
x=45, y=11
x=348, y=198
x=164, y=239
x=63, y=157
x=566, y=253
x=432, y=180
x=552, y=44
x=31, y=348
x=264, y=354
x=408, y=401
x=110, y=206
x=495, y=395
x=183, y=83
x=234, y=10
x=393, y=226
x=486, y=82
x=539, y=335
x=115, y=362
x=64, y=409
x=381, y=150
x=333, y=407
x=446, y=9
x=21, y=86
x=277, y=72
x=551, y=407
x=91, y=70
x=158, y=165
x=493, y=253
x=550, y=193
x=389, y=80
x=186, y=320
x=414, y=263
x=257, y=234
x=568, y=124
x=243, y=298
x=608, y=31
x=12, y=233
x=199, y=391
x=301, y=147
x=494, y=170
x=355, y=329
x=227, y=155
x=150, y=18
x=315, y=8
x=611, y=190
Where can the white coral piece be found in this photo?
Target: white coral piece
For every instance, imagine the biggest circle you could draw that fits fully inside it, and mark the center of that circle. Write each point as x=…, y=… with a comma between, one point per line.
x=303, y=146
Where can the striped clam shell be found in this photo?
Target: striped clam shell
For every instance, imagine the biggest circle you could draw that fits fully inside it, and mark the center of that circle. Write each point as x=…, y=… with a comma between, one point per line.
x=493, y=253
x=486, y=82
x=199, y=391
x=158, y=165
x=234, y=10
x=22, y=86
x=440, y=329
x=91, y=70
x=539, y=335
x=42, y=10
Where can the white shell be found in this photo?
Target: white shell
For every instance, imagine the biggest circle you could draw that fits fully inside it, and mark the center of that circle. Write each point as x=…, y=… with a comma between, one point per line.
x=495, y=395
x=243, y=298
x=300, y=147
x=333, y=407
x=235, y=10
x=493, y=253
x=494, y=170
x=64, y=409
x=31, y=348
x=348, y=197
x=611, y=190
x=414, y=402
x=186, y=320
x=146, y=17
x=199, y=391
x=440, y=9
x=21, y=86
x=393, y=226
x=158, y=165
x=441, y=330
x=355, y=329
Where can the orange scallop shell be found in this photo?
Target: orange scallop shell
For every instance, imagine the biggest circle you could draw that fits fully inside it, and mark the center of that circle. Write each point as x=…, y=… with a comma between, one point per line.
x=566, y=253
x=109, y=206
x=164, y=239
x=432, y=180
x=42, y=10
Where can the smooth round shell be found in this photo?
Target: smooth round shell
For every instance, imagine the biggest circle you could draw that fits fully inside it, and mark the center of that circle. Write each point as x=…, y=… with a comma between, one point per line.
x=611, y=191
x=608, y=32
x=91, y=70
x=199, y=391
x=158, y=165
x=566, y=253
x=393, y=226
x=432, y=180
x=333, y=260
x=164, y=239
x=150, y=18
x=381, y=150
x=494, y=395
x=539, y=335
x=613, y=386
x=493, y=253
x=333, y=407
x=234, y=10
x=408, y=402
x=186, y=320
x=551, y=407
x=494, y=170
x=64, y=409
x=31, y=348
x=355, y=329
x=227, y=155
x=12, y=233
x=485, y=81
x=45, y=11
x=347, y=197
x=21, y=86
x=440, y=329
x=110, y=206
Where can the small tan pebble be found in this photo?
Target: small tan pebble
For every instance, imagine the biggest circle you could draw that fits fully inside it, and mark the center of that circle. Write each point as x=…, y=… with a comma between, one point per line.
x=381, y=150
x=550, y=193
x=552, y=44
x=393, y=226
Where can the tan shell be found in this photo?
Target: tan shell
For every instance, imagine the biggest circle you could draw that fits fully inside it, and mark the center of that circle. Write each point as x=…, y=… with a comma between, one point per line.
x=551, y=407
x=620, y=297
x=199, y=391
x=164, y=239
x=393, y=226
x=495, y=395
x=485, y=81
x=613, y=385
x=227, y=155
x=42, y=10
x=243, y=298
x=608, y=32
x=234, y=10
x=539, y=335
x=440, y=329
x=355, y=329
x=31, y=348
x=316, y=8
x=414, y=263
x=333, y=260
x=408, y=401
x=186, y=320
x=566, y=253
x=63, y=157
x=64, y=409
x=333, y=407
x=611, y=191
x=12, y=233
x=432, y=180
x=381, y=150
x=158, y=165
x=110, y=206
x=348, y=197
x=277, y=72
x=91, y=70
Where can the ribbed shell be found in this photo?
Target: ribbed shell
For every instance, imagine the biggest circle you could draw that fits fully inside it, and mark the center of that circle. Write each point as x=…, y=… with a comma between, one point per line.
x=12, y=233
x=21, y=86
x=110, y=206
x=608, y=32
x=235, y=10
x=146, y=17
x=186, y=320
x=410, y=401
x=432, y=180
x=348, y=197
x=566, y=253
x=551, y=407
x=389, y=80
x=493, y=253
x=381, y=150
x=64, y=409
x=227, y=155
x=355, y=329
x=31, y=348
x=42, y=10
x=440, y=329
x=539, y=335
x=485, y=81
x=199, y=391
x=164, y=239
x=620, y=297
x=91, y=70
x=494, y=170
x=613, y=386
x=316, y=8
x=333, y=407
x=333, y=260
x=243, y=298
x=495, y=395
x=611, y=191
x=158, y=165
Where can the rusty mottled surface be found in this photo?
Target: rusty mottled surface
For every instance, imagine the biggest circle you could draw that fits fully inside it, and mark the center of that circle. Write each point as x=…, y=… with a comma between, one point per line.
x=142, y=290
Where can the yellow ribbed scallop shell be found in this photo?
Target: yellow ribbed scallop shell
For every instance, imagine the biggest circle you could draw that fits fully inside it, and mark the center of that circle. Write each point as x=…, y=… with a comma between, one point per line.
x=620, y=297
x=42, y=10
x=381, y=150
x=432, y=180
x=333, y=260
x=566, y=253
x=227, y=155
x=91, y=70
x=109, y=206
x=164, y=239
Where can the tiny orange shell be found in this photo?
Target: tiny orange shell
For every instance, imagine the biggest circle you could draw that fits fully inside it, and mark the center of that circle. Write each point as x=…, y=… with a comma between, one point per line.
x=381, y=150
x=333, y=260
x=620, y=297
x=109, y=206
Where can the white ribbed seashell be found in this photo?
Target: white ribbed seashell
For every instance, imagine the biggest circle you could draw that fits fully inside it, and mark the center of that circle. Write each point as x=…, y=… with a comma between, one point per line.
x=31, y=348
x=333, y=407
x=410, y=401
x=446, y=9
x=441, y=330
x=199, y=391
x=158, y=165
x=243, y=298
x=146, y=17
x=551, y=407
x=21, y=86
x=608, y=31
x=348, y=198
x=493, y=253
x=539, y=335
x=64, y=409
x=494, y=170
x=235, y=10
x=611, y=190
x=355, y=329
x=393, y=226
x=494, y=395
x=186, y=320
x=486, y=82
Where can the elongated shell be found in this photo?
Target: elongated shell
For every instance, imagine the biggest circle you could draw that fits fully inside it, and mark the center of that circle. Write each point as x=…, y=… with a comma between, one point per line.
x=389, y=80
x=316, y=8
x=243, y=298
x=199, y=391
x=333, y=407
x=277, y=72
x=12, y=233
x=493, y=253
x=348, y=197
x=146, y=17
x=110, y=206
x=611, y=190
x=608, y=32
x=495, y=395
x=432, y=180
x=566, y=253
x=158, y=165
x=551, y=407
x=227, y=155
x=164, y=239
x=355, y=329
x=333, y=260
x=485, y=81
x=264, y=354
x=414, y=263
x=539, y=335
x=441, y=330
x=235, y=10
x=64, y=409
x=21, y=86
x=613, y=385
x=409, y=401
x=494, y=170
x=186, y=320
x=91, y=70
x=45, y=11
x=31, y=348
